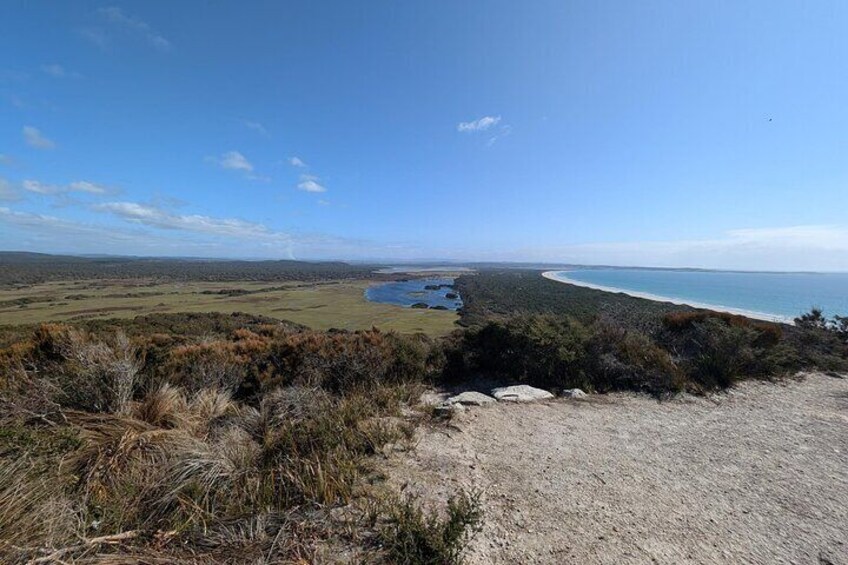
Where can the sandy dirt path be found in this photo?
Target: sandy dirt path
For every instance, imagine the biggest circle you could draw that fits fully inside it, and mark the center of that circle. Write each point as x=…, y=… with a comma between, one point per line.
x=756, y=475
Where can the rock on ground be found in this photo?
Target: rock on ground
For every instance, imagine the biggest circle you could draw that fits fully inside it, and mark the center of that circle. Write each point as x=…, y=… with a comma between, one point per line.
x=470, y=398
x=574, y=393
x=520, y=393
x=756, y=475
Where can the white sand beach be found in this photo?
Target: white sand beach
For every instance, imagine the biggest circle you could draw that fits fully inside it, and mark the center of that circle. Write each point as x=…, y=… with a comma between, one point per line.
x=559, y=277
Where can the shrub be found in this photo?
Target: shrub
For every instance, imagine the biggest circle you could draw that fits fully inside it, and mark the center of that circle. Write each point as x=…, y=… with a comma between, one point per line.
x=205, y=365
x=343, y=361
x=90, y=374
x=542, y=350
x=717, y=348
x=628, y=360
x=820, y=343
x=412, y=537
x=768, y=333
x=724, y=353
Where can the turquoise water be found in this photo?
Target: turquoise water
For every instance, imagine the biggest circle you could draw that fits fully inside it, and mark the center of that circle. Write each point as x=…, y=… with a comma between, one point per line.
x=784, y=295
x=407, y=293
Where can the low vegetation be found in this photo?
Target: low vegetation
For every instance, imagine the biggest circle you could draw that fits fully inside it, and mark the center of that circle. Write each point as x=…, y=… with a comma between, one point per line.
x=708, y=352
x=220, y=438
x=497, y=294
x=321, y=304
x=409, y=535
x=184, y=446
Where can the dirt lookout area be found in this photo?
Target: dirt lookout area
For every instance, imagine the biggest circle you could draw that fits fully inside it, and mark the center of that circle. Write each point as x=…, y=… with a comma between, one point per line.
x=756, y=474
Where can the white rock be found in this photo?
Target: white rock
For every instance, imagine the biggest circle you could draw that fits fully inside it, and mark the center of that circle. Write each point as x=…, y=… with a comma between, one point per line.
x=520, y=393
x=574, y=393
x=470, y=398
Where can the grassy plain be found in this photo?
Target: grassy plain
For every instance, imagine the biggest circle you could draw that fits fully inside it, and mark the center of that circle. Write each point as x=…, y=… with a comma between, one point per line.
x=319, y=305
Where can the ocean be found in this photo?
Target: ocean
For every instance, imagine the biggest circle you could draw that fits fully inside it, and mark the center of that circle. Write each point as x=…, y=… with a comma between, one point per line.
x=775, y=296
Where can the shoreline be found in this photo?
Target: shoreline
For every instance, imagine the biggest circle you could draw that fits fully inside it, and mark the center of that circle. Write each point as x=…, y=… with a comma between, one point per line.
x=555, y=276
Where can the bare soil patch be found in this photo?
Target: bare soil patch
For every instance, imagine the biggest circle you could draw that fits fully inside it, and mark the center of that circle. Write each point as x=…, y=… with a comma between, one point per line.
x=753, y=475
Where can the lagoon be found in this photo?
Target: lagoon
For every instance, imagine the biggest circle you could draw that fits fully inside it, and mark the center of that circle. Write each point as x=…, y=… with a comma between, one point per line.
x=414, y=291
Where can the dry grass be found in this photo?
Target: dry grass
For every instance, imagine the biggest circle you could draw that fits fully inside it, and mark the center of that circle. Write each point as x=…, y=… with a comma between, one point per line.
x=321, y=306
x=34, y=510
x=174, y=472
x=229, y=448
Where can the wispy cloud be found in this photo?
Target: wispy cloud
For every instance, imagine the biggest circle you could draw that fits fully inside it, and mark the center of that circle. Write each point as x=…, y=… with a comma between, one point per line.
x=504, y=131
x=150, y=230
x=235, y=161
x=118, y=18
x=42, y=188
x=309, y=183
x=155, y=217
x=34, y=138
x=51, y=234
x=83, y=186
x=482, y=124
x=89, y=187
x=7, y=160
x=96, y=37
x=256, y=126
x=58, y=71
x=8, y=192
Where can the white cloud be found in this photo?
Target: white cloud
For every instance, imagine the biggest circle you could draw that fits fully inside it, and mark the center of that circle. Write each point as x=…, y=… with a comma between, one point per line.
x=309, y=183
x=482, y=124
x=255, y=126
x=153, y=231
x=54, y=189
x=58, y=71
x=41, y=188
x=6, y=160
x=117, y=17
x=38, y=232
x=297, y=162
x=8, y=193
x=89, y=187
x=235, y=161
x=155, y=217
x=35, y=138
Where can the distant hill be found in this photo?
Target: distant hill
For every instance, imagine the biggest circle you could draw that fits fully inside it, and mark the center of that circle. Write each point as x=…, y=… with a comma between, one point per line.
x=20, y=267
x=18, y=257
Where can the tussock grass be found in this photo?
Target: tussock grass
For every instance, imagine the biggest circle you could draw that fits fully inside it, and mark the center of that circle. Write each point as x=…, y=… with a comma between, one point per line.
x=34, y=509
x=171, y=460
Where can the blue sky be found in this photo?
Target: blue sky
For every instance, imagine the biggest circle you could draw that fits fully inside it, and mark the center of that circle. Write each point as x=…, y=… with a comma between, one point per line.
x=709, y=134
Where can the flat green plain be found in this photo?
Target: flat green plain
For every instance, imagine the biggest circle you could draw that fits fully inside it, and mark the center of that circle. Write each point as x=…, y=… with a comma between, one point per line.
x=318, y=305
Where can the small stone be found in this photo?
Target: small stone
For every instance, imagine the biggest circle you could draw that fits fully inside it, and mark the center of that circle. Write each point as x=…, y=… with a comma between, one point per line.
x=574, y=393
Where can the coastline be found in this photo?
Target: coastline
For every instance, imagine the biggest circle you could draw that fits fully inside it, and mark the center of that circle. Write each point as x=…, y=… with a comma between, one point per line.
x=555, y=276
